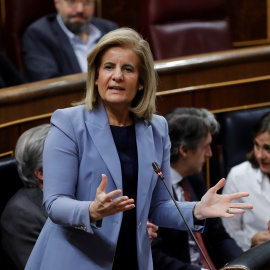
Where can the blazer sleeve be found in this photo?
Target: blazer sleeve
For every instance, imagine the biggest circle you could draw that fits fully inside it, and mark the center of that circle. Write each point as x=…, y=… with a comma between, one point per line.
x=60, y=168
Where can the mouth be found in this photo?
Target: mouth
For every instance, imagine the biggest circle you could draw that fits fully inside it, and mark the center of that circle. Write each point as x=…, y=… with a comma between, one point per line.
x=116, y=88
x=263, y=164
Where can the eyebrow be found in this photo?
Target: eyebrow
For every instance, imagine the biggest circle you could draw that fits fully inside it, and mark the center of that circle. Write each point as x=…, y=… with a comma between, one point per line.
x=124, y=65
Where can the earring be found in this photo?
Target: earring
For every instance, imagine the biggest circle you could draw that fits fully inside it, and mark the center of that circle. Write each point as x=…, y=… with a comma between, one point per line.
x=141, y=87
x=96, y=83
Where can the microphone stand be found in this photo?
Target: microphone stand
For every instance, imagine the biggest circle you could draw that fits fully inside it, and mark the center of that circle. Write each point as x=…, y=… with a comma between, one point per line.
x=158, y=171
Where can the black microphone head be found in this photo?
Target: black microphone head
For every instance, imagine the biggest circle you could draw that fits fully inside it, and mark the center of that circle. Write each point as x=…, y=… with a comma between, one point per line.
x=157, y=170
x=156, y=167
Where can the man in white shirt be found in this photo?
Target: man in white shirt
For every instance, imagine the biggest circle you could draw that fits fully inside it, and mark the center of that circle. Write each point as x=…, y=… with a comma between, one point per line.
x=252, y=176
x=58, y=44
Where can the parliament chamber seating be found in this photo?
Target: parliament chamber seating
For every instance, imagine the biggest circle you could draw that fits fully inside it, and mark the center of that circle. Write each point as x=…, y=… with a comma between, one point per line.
x=179, y=28
x=18, y=15
x=256, y=258
x=11, y=183
x=234, y=140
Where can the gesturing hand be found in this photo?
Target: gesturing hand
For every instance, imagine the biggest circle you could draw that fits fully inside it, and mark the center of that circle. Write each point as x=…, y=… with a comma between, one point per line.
x=152, y=230
x=105, y=205
x=216, y=205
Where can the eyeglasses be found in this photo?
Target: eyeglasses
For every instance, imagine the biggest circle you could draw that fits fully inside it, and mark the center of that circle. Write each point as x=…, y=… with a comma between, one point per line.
x=85, y=2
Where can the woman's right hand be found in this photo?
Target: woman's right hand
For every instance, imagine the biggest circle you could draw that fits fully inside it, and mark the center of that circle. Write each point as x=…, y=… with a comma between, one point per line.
x=105, y=205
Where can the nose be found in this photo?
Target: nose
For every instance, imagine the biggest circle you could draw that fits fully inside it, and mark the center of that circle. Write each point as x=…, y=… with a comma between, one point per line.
x=209, y=152
x=117, y=75
x=260, y=154
x=79, y=7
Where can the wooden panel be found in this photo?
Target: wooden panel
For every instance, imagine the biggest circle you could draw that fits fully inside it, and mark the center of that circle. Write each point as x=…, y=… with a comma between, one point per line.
x=41, y=97
x=213, y=67
x=10, y=134
x=123, y=12
x=250, y=21
x=216, y=96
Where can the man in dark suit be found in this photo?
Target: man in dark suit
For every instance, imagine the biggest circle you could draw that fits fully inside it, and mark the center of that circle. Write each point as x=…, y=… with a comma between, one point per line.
x=191, y=131
x=58, y=44
x=24, y=216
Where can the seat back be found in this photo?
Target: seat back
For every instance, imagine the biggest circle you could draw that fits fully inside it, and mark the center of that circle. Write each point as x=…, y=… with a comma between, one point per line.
x=10, y=179
x=177, y=28
x=256, y=258
x=234, y=140
x=10, y=184
x=18, y=15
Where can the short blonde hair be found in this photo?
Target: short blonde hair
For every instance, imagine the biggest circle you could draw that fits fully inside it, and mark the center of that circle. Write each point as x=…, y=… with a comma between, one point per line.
x=143, y=105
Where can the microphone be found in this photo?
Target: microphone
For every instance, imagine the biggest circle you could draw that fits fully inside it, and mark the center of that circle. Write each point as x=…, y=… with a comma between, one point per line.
x=158, y=171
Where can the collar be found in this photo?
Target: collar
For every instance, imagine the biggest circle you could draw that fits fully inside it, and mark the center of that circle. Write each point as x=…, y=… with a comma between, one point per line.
x=175, y=177
x=261, y=177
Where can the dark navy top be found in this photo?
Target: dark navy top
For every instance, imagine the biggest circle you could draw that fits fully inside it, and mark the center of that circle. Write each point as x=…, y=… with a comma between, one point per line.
x=126, y=251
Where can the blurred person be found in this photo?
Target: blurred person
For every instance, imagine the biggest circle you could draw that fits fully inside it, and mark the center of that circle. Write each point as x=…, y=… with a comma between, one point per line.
x=97, y=166
x=190, y=132
x=254, y=176
x=58, y=44
x=24, y=216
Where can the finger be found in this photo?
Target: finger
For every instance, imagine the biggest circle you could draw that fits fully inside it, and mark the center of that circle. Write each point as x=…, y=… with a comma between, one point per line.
x=238, y=195
x=220, y=184
x=152, y=226
x=240, y=206
x=124, y=204
x=124, y=208
x=103, y=183
x=115, y=193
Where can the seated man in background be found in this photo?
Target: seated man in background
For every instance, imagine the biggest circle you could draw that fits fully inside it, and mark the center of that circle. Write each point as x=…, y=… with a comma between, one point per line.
x=58, y=44
x=252, y=176
x=24, y=216
x=190, y=132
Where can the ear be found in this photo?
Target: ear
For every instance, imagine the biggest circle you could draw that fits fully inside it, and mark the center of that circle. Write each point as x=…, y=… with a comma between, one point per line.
x=39, y=174
x=182, y=151
x=56, y=4
x=140, y=87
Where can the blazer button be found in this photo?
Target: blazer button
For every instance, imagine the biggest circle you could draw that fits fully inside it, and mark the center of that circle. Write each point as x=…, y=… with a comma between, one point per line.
x=139, y=225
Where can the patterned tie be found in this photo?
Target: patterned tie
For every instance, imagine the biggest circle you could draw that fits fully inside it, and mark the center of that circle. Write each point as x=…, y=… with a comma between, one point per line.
x=198, y=236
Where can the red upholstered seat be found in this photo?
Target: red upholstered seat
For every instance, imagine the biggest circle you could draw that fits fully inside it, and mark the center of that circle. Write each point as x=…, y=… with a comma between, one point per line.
x=177, y=28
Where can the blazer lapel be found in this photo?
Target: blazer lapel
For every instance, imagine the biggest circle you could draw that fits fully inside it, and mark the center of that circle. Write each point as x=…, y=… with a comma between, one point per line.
x=100, y=131
x=146, y=155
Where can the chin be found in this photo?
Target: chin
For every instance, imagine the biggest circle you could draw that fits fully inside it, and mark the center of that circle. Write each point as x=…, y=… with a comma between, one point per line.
x=266, y=171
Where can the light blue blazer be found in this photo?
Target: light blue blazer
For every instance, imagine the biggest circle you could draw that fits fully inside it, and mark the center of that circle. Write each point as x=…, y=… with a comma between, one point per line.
x=78, y=149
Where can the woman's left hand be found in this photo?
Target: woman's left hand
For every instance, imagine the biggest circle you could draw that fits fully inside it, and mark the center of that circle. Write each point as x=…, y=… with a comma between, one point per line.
x=151, y=229
x=216, y=205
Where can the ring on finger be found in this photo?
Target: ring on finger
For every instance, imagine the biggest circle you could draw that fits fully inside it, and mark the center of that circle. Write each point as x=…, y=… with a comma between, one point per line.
x=228, y=210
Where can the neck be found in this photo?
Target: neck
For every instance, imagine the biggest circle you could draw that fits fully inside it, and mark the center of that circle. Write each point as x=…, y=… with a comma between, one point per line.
x=181, y=168
x=119, y=118
x=83, y=36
